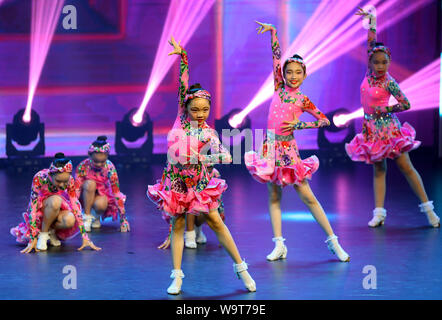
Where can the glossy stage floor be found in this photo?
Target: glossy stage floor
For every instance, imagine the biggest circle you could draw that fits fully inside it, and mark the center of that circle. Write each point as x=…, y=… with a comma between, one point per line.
x=406, y=252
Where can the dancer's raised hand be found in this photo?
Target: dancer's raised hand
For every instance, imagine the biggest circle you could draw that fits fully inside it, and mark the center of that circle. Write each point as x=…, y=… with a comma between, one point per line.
x=176, y=46
x=363, y=13
x=263, y=27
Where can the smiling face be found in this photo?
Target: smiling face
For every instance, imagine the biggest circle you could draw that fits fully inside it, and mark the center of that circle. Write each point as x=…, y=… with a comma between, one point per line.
x=379, y=63
x=198, y=110
x=294, y=74
x=98, y=159
x=61, y=180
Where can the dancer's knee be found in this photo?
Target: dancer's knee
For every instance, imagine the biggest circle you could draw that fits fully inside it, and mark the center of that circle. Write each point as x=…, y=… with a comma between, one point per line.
x=89, y=186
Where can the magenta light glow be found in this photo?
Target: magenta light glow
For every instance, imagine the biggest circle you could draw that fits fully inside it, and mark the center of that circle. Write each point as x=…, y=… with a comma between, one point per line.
x=45, y=15
x=342, y=119
x=422, y=89
x=183, y=17
x=327, y=41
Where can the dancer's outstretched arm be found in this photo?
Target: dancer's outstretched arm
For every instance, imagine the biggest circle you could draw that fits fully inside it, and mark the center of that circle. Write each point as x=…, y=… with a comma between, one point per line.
x=76, y=210
x=371, y=35
x=276, y=53
x=37, y=183
x=184, y=73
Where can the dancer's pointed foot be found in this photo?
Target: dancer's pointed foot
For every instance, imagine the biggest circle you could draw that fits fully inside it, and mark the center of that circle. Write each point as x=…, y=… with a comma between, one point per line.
x=334, y=246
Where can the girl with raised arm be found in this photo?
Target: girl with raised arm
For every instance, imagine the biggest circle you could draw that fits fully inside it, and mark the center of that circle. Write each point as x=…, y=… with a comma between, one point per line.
x=278, y=163
x=187, y=187
x=383, y=136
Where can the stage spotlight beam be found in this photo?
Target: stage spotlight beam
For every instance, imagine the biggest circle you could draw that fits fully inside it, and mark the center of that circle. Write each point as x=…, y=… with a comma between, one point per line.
x=440, y=106
x=183, y=17
x=45, y=15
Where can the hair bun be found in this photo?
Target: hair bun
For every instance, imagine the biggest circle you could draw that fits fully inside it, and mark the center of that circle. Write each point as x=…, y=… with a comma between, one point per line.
x=59, y=155
x=297, y=56
x=102, y=138
x=379, y=44
x=194, y=86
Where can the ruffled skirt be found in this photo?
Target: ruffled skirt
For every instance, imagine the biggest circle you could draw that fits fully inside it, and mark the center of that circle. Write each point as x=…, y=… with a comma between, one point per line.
x=382, y=138
x=187, y=189
x=282, y=167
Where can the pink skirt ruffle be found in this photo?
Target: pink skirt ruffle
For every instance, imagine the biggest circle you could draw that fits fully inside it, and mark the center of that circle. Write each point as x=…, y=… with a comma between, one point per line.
x=22, y=231
x=370, y=151
x=264, y=170
x=175, y=203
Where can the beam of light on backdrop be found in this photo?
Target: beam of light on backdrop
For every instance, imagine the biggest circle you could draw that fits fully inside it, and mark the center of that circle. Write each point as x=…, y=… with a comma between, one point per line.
x=440, y=106
x=183, y=17
x=45, y=15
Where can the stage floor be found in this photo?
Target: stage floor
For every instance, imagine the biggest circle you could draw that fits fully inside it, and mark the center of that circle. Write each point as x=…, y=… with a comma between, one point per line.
x=406, y=252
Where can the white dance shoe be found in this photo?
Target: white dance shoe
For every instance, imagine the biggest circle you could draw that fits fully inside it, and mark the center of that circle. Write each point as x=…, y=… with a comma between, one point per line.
x=53, y=240
x=280, y=250
x=427, y=208
x=42, y=242
x=87, y=222
x=190, y=239
x=334, y=246
x=200, y=236
x=379, y=215
x=96, y=224
x=177, y=276
x=242, y=273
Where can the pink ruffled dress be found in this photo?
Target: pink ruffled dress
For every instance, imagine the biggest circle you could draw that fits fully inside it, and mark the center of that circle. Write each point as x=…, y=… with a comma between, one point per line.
x=43, y=188
x=107, y=182
x=383, y=136
x=189, y=185
x=278, y=160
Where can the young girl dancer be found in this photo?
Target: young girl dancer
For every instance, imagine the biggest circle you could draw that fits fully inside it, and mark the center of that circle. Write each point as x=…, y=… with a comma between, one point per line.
x=186, y=186
x=285, y=167
x=98, y=187
x=54, y=211
x=382, y=135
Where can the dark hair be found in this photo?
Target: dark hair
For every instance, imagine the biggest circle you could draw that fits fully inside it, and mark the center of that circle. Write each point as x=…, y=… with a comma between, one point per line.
x=297, y=56
x=192, y=89
x=378, y=44
x=101, y=141
x=60, y=160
